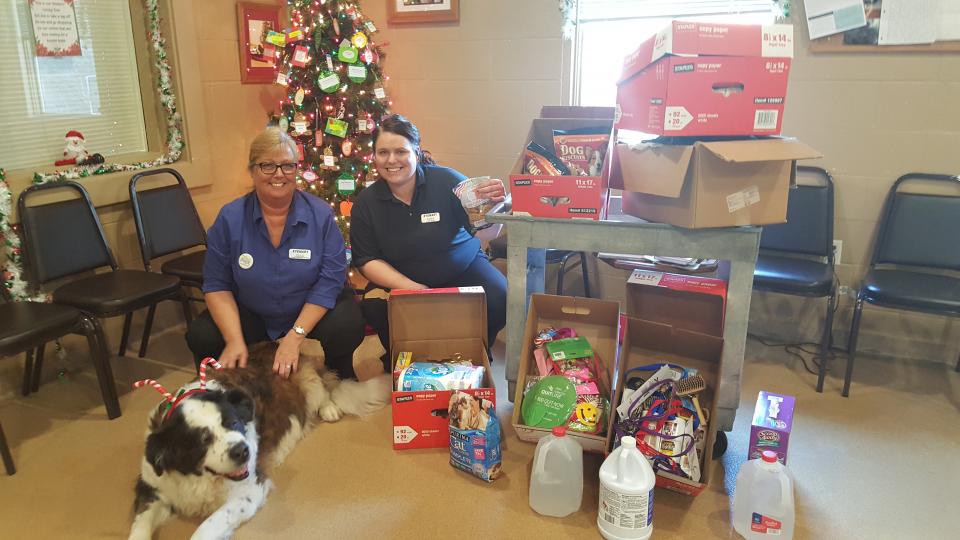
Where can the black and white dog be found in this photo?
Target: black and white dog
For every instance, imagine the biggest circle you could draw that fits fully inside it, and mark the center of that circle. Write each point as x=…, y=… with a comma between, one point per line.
x=209, y=449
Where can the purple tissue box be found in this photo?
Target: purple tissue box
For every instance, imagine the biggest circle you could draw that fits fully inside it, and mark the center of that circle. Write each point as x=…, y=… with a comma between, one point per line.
x=772, y=422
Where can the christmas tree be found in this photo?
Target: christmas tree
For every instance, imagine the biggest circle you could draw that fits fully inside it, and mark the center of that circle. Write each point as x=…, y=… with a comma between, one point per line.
x=335, y=97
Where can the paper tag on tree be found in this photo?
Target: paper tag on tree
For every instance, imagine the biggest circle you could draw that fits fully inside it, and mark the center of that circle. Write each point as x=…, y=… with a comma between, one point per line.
x=329, y=63
x=370, y=26
x=283, y=79
x=329, y=160
x=359, y=40
x=301, y=56
x=329, y=81
x=362, y=124
x=379, y=92
x=347, y=52
x=357, y=73
x=346, y=184
x=294, y=35
x=276, y=38
x=298, y=97
x=336, y=127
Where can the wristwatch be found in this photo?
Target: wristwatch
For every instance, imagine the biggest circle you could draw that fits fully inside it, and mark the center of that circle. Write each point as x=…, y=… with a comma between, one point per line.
x=300, y=331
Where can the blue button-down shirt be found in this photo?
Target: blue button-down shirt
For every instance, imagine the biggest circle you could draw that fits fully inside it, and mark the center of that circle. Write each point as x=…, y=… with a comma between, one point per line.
x=309, y=266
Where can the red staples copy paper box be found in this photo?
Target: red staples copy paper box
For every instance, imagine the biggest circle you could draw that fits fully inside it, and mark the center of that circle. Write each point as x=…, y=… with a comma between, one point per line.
x=435, y=324
x=567, y=196
x=698, y=79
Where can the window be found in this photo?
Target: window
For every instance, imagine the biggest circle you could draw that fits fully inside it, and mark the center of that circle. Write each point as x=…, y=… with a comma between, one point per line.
x=97, y=93
x=608, y=30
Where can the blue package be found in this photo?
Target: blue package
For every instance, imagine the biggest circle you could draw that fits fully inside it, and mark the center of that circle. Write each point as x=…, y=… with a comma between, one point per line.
x=474, y=436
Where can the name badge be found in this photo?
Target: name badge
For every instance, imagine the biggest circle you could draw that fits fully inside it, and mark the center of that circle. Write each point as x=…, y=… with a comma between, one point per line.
x=303, y=254
x=432, y=217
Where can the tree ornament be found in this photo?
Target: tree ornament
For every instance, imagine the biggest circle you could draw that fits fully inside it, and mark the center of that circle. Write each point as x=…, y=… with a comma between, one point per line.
x=301, y=127
x=379, y=92
x=347, y=52
x=346, y=208
x=329, y=161
x=318, y=138
x=346, y=147
x=370, y=26
x=284, y=124
x=309, y=176
x=329, y=81
x=357, y=73
x=300, y=57
x=298, y=97
x=336, y=127
x=359, y=40
x=346, y=184
x=336, y=25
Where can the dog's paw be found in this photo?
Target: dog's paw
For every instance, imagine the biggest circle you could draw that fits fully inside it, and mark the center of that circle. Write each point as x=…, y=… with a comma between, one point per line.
x=329, y=412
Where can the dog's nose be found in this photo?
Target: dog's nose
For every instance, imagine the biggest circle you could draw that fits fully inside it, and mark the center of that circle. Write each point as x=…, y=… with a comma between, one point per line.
x=239, y=452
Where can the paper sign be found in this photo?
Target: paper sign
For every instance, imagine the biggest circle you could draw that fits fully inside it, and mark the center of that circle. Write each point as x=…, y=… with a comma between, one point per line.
x=357, y=73
x=55, y=27
x=826, y=17
x=908, y=22
x=378, y=91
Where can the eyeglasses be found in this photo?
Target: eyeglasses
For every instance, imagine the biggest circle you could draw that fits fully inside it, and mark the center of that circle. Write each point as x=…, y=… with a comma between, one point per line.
x=271, y=168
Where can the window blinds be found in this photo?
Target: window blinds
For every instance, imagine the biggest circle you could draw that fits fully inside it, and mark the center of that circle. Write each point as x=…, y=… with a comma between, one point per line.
x=96, y=93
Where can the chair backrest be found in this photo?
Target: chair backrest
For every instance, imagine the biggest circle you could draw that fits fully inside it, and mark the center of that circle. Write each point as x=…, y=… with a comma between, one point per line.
x=809, y=226
x=62, y=238
x=920, y=229
x=166, y=218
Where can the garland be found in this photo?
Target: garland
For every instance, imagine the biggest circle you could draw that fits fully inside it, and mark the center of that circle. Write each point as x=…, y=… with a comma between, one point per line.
x=12, y=272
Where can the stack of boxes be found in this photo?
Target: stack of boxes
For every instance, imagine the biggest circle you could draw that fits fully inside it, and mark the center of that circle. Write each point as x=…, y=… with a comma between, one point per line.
x=715, y=96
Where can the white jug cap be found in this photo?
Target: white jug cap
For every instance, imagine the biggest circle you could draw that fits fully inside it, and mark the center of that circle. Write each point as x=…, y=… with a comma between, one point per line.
x=628, y=441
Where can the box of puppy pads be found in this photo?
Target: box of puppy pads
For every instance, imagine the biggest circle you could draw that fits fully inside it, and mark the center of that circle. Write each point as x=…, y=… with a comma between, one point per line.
x=568, y=365
x=664, y=397
x=438, y=345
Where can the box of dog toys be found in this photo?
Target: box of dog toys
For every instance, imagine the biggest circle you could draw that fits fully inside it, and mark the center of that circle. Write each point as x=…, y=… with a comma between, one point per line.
x=664, y=397
x=438, y=343
x=561, y=172
x=772, y=422
x=474, y=436
x=568, y=363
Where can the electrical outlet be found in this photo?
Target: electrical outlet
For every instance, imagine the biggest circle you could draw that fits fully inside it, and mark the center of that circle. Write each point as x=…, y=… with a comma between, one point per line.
x=837, y=250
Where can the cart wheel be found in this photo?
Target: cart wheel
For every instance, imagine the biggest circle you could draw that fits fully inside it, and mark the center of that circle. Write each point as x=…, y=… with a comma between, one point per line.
x=719, y=444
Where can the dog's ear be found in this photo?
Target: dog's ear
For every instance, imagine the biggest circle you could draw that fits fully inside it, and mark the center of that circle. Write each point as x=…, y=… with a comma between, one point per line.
x=155, y=455
x=242, y=403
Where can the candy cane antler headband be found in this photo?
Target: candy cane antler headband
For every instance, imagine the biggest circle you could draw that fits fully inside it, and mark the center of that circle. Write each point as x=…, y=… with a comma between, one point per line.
x=172, y=401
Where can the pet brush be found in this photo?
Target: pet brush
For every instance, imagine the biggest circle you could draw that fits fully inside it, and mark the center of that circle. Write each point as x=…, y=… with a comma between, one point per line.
x=690, y=385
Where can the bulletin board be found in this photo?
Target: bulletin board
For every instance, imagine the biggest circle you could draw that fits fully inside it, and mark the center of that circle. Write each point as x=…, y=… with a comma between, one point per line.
x=865, y=39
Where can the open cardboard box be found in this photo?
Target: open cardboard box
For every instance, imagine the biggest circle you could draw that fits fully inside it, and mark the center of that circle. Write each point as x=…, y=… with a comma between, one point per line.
x=572, y=197
x=596, y=320
x=692, y=303
x=648, y=342
x=710, y=184
x=435, y=324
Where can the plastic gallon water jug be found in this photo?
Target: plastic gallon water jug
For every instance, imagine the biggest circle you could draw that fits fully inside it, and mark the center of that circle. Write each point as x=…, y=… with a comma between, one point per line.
x=626, y=494
x=556, y=483
x=763, y=505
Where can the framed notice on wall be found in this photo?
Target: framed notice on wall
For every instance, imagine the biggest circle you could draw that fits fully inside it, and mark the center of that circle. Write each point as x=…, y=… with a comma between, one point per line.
x=422, y=11
x=259, y=29
x=55, y=27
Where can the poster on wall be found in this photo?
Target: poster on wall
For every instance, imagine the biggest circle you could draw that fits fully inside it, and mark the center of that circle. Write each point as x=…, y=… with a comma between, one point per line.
x=55, y=27
x=261, y=39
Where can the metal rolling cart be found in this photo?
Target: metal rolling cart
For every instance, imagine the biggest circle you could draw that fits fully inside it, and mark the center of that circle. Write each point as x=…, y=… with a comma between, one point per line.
x=625, y=234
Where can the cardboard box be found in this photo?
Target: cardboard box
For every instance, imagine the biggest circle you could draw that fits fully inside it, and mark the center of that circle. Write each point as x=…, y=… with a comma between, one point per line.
x=711, y=184
x=569, y=197
x=596, y=320
x=693, y=303
x=697, y=79
x=435, y=324
x=648, y=342
x=772, y=422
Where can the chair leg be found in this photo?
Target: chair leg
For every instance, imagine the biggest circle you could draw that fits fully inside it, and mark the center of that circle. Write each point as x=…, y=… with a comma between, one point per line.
x=27, y=373
x=586, y=277
x=187, y=309
x=826, y=340
x=101, y=361
x=146, y=330
x=38, y=367
x=561, y=272
x=126, y=333
x=5, y=451
x=852, y=347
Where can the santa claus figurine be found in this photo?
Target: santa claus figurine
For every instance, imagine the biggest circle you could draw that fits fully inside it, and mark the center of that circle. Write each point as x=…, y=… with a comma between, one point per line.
x=75, y=153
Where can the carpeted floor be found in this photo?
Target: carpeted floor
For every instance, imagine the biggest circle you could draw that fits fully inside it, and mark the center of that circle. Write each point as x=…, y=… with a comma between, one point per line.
x=881, y=464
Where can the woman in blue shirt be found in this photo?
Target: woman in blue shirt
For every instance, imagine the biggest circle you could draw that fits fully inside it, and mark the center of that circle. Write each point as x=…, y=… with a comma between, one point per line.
x=275, y=269
x=409, y=230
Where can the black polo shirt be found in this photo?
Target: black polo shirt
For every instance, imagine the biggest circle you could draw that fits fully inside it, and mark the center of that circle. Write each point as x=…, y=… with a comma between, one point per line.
x=426, y=241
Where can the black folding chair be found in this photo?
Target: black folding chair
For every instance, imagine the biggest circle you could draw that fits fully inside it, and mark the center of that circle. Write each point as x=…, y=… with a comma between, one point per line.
x=167, y=222
x=25, y=326
x=66, y=238
x=797, y=257
x=916, y=256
